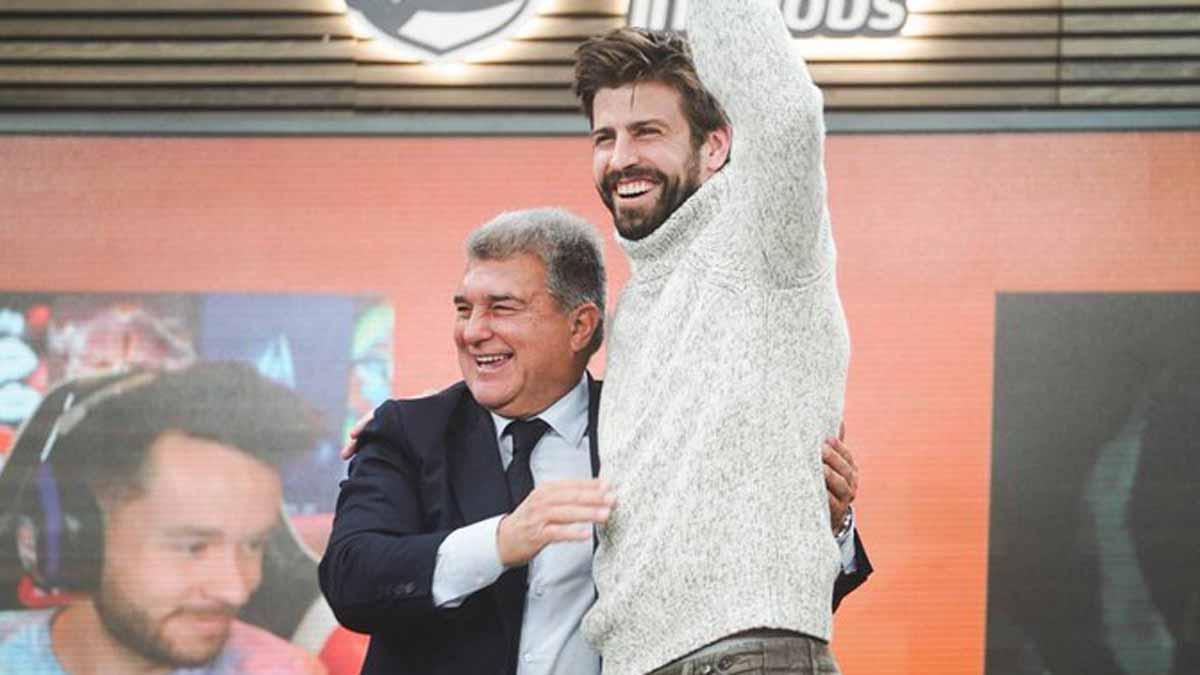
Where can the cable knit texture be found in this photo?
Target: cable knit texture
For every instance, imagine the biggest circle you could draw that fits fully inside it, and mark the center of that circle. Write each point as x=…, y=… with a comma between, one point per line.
x=726, y=369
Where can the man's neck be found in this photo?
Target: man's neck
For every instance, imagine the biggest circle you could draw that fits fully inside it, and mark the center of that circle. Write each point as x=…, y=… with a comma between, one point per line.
x=83, y=646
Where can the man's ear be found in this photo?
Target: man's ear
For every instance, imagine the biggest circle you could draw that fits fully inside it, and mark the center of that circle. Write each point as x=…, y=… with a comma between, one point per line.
x=715, y=151
x=584, y=321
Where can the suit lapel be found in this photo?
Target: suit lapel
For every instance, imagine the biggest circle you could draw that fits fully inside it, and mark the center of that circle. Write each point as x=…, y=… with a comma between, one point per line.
x=594, y=386
x=476, y=473
x=481, y=490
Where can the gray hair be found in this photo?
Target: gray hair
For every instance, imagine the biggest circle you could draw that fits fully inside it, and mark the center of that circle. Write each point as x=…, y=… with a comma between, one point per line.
x=565, y=243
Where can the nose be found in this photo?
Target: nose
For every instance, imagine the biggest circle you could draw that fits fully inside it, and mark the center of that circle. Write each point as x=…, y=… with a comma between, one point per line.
x=624, y=154
x=232, y=577
x=477, y=327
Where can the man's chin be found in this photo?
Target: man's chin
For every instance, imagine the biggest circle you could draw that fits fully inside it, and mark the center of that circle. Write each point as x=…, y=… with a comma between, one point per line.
x=194, y=651
x=635, y=228
x=182, y=639
x=633, y=224
x=489, y=395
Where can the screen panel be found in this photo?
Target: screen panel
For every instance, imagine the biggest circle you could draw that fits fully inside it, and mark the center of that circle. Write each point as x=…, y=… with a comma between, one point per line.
x=931, y=231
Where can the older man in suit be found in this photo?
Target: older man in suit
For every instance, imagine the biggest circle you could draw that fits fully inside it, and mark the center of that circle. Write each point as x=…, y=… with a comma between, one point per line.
x=441, y=546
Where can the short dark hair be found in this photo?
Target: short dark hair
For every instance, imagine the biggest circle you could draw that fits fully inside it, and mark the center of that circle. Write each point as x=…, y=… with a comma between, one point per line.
x=107, y=444
x=565, y=243
x=632, y=55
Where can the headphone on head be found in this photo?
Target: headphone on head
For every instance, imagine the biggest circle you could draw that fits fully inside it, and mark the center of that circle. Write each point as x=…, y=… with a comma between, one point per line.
x=55, y=524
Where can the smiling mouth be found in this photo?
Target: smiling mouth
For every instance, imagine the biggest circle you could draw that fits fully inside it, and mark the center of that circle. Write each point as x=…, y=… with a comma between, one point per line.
x=634, y=188
x=489, y=362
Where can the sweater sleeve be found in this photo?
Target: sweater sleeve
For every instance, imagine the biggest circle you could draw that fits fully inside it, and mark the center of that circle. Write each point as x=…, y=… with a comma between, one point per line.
x=745, y=57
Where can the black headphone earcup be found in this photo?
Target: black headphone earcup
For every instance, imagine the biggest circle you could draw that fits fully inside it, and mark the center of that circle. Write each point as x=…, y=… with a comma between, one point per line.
x=68, y=535
x=50, y=521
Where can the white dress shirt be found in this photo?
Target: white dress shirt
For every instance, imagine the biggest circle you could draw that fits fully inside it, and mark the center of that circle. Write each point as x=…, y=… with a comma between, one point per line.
x=560, y=577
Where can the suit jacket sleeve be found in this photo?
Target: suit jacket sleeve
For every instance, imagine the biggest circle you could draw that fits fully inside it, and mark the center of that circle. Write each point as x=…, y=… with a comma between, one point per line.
x=377, y=572
x=848, y=582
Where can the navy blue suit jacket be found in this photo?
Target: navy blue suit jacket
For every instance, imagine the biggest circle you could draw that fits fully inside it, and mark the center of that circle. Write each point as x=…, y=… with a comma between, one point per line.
x=424, y=468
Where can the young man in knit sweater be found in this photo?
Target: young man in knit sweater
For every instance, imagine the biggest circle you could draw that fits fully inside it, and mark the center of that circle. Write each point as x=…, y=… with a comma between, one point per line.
x=728, y=354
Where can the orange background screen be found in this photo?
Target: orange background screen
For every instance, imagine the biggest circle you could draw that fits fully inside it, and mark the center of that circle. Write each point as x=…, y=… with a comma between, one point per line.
x=929, y=229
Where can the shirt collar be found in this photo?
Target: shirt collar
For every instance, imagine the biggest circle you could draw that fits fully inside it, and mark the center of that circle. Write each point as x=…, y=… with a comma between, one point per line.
x=567, y=417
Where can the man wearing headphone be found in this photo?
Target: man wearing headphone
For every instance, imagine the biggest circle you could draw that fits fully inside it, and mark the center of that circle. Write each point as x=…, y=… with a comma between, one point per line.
x=149, y=498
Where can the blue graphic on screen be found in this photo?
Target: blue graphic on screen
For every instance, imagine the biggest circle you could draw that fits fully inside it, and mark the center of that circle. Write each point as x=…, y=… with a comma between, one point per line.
x=302, y=342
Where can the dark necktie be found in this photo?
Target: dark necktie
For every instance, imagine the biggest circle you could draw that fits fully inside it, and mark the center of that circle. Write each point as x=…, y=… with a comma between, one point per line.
x=525, y=434
x=511, y=585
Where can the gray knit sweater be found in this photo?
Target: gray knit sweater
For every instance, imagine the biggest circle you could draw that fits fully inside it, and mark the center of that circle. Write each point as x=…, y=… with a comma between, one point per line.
x=726, y=369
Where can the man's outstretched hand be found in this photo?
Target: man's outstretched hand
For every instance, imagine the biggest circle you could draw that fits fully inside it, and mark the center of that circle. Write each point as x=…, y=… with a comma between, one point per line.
x=557, y=510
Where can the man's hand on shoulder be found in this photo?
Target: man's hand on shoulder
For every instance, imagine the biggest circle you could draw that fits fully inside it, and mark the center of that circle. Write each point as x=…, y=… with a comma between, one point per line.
x=555, y=511
x=841, y=477
x=351, y=445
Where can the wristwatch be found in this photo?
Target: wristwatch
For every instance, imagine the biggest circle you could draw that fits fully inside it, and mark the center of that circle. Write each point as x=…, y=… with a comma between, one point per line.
x=847, y=523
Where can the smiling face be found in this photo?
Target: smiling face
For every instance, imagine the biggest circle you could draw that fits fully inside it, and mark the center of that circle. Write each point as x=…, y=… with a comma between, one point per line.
x=186, y=553
x=645, y=161
x=518, y=350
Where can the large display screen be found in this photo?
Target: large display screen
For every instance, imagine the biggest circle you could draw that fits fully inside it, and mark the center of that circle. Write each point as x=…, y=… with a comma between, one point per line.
x=1020, y=309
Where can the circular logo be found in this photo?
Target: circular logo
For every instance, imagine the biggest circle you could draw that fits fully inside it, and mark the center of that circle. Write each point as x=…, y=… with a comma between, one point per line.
x=434, y=30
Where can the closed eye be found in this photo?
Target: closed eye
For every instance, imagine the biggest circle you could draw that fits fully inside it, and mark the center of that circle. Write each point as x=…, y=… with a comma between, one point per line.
x=192, y=548
x=256, y=545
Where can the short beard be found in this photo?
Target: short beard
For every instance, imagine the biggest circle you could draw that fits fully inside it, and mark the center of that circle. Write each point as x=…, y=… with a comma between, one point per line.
x=133, y=628
x=635, y=225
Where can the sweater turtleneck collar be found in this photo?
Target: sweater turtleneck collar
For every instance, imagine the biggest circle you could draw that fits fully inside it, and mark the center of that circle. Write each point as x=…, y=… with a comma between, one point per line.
x=657, y=253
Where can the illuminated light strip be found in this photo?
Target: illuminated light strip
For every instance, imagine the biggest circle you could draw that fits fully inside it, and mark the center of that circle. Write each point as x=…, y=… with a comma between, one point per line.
x=980, y=5
x=857, y=49
x=452, y=70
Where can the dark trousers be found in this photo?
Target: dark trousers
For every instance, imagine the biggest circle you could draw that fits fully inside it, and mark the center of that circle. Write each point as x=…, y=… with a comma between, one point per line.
x=755, y=652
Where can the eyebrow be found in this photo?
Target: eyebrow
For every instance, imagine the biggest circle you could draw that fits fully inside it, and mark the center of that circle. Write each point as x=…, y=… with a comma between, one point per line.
x=636, y=124
x=502, y=297
x=189, y=531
